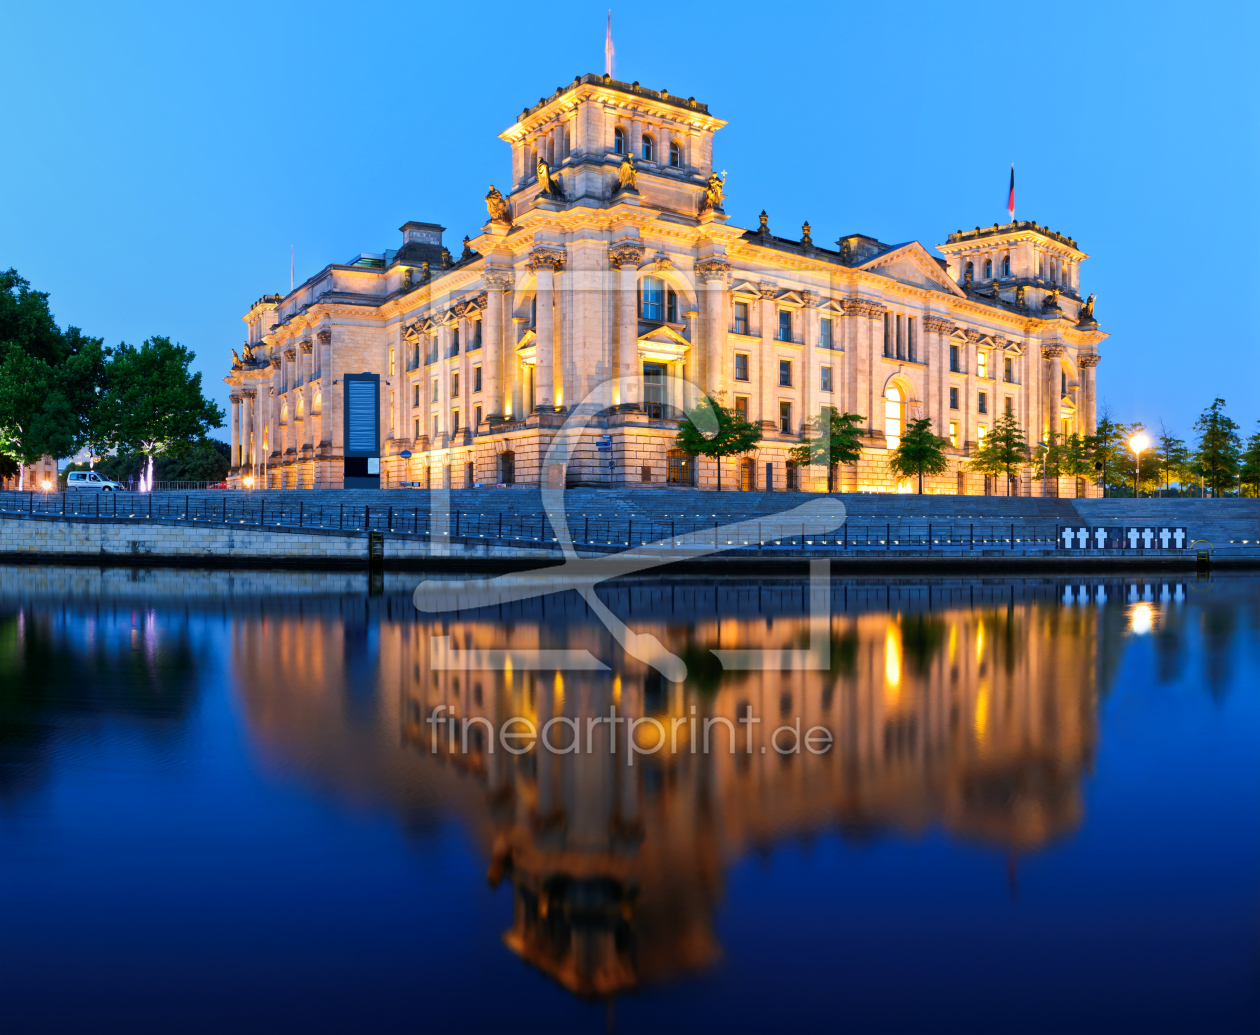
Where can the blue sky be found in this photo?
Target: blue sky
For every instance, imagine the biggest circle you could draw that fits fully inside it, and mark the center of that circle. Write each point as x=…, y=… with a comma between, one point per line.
x=161, y=159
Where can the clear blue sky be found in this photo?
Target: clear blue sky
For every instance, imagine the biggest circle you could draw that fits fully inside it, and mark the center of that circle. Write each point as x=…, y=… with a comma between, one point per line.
x=161, y=159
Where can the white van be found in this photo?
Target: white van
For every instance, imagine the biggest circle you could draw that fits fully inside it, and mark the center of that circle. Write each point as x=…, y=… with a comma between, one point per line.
x=90, y=481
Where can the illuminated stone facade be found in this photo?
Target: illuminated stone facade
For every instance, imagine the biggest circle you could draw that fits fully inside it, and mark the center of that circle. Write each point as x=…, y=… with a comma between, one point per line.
x=607, y=278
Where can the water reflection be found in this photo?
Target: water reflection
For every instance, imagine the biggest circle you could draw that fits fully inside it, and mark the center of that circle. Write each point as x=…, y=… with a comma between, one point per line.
x=971, y=708
x=967, y=707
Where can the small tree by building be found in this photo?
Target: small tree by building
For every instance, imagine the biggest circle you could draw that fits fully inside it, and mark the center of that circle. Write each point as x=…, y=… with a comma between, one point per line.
x=919, y=452
x=711, y=429
x=1108, y=444
x=1003, y=451
x=831, y=438
x=154, y=400
x=1219, y=450
x=1250, y=473
x=1172, y=459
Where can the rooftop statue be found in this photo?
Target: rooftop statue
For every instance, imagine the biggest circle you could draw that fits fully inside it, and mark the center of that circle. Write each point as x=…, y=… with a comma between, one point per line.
x=548, y=183
x=714, y=192
x=236, y=360
x=627, y=175
x=1052, y=299
x=497, y=206
x=1087, y=310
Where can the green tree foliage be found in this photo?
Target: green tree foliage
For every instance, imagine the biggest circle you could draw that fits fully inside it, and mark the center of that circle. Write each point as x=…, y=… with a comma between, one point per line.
x=1251, y=465
x=831, y=438
x=204, y=460
x=1109, y=444
x=1004, y=450
x=154, y=400
x=919, y=452
x=711, y=429
x=1219, y=450
x=1172, y=457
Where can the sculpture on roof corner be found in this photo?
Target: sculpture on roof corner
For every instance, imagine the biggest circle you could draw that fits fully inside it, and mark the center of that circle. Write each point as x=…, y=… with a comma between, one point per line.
x=627, y=175
x=236, y=360
x=497, y=206
x=1087, y=310
x=714, y=193
x=549, y=184
x=1052, y=299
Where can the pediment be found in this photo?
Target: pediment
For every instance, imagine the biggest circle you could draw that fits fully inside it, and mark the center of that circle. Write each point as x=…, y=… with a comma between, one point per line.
x=912, y=264
x=662, y=344
x=527, y=339
x=791, y=298
x=744, y=287
x=830, y=305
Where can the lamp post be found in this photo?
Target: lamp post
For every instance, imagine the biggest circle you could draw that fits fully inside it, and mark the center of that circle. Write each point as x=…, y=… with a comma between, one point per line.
x=1138, y=443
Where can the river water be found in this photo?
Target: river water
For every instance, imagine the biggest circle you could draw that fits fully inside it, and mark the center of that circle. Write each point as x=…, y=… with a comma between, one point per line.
x=232, y=801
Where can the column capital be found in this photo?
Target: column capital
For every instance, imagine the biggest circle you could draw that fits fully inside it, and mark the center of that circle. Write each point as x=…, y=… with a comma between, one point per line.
x=544, y=258
x=325, y=337
x=938, y=325
x=306, y=346
x=1088, y=359
x=768, y=289
x=714, y=268
x=235, y=398
x=625, y=254
x=498, y=278
x=1052, y=351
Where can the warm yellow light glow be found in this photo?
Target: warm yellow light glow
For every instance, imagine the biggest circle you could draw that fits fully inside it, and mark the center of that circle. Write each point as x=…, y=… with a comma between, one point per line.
x=953, y=643
x=616, y=694
x=249, y=481
x=507, y=673
x=647, y=735
x=558, y=695
x=980, y=641
x=1139, y=442
x=45, y=485
x=1141, y=619
x=982, y=712
x=892, y=660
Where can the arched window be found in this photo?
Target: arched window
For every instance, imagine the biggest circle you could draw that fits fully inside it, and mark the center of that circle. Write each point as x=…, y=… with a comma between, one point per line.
x=675, y=155
x=653, y=298
x=892, y=417
x=619, y=141
x=301, y=407
x=988, y=269
x=317, y=405
x=649, y=148
x=1006, y=265
x=969, y=272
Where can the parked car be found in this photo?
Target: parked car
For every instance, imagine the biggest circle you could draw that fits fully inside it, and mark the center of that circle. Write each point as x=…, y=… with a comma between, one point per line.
x=90, y=481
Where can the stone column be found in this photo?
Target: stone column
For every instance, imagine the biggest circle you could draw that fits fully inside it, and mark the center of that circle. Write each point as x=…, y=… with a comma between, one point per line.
x=235, y=400
x=514, y=386
x=626, y=256
x=811, y=361
x=767, y=378
x=1089, y=402
x=715, y=272
x=545, y=262
x=1053, y=374
x=250, y=453
x=492, y=342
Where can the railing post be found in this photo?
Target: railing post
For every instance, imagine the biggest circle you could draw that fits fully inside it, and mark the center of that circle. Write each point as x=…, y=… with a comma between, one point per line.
x=341, y=516
x=301, y=512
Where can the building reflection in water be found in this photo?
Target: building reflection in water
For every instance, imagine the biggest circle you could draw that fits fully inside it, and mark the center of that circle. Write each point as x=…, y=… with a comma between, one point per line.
x=967, y=707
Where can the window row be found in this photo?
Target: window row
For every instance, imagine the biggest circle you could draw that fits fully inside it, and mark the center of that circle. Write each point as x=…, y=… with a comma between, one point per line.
x=647, y=147
x=982, y=401
x=982, y=364
x=785, y=413
x=785, y=331
x=901, y=337
x=785, y=372
x=433, y=395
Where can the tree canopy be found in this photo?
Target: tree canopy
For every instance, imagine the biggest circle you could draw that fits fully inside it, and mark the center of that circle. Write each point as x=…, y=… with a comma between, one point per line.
x=919, y=452
x=711, y=429
x=831, y=438
x=1220, y=449
x=1004, y=449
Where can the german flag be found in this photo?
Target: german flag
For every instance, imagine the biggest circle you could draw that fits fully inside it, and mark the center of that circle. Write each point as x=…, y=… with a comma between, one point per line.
x=1010, y=201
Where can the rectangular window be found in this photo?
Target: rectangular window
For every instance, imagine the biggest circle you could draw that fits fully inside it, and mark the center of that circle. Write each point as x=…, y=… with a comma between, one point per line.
x=953, y=398
x=454, y=384
x=911, y=351
x=982, y=363
x=1008, y=370
x=454, y=421
x=477, y=415
x=455, y=340
x=824, y=332
x=741, y=366
x=741, y=406
x=980, y=431
x=435, y=428
x=476, y=379
x=953, y=433
x=982, y=402
x=671, y=307
x=1010, y=405
x=1063, y=383
x=391, y=362
x=888, y=334
x=901, y=348
x=476, y=337
x=785, y=418
x=417, y=435
x=653, y=298
x=785, y=373
x=953, y=358
x=741, y=317
x=785, y=325
x=415, y=394
x=433, y=397
x=826, y=378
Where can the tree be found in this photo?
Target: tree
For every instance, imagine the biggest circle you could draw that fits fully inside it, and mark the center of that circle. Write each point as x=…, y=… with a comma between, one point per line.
x=1075, y=460
x=35, y=418
x=831, y=438
x=26, y=323
x=710, y=429
x=1048, y=457
x=154, y=401
x=919, y=452
x=1251, y=465
x=1172, y=457
x=1004, y=448
x=1108, y=445
x=1219, y=447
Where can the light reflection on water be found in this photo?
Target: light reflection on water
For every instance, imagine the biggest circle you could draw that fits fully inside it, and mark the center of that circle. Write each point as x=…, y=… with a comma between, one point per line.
x=968, y=724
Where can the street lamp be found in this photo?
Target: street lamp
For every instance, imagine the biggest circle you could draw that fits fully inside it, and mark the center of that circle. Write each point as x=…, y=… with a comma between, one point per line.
x=249, y=481
x=1137, y=443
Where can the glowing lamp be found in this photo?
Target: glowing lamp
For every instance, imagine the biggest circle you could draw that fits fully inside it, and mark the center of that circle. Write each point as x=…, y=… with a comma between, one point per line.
x=1139, y=442
x=249, y=481
x=45, y=485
